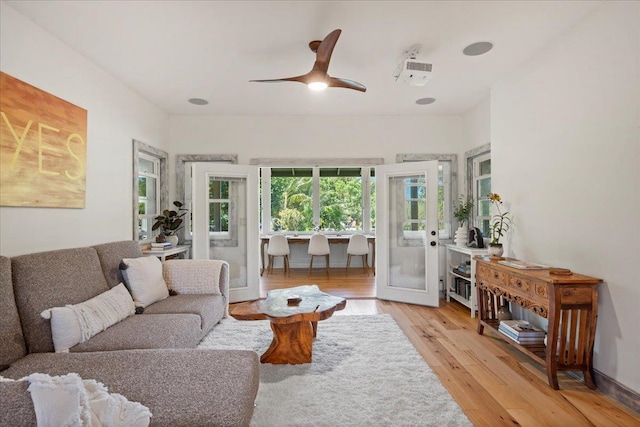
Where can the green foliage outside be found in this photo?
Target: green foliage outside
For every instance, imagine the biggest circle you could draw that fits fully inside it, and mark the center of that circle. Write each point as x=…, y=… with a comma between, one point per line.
x=292, y=203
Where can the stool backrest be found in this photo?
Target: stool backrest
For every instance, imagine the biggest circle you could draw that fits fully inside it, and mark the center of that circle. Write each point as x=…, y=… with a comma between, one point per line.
x=278, y=245
x=358, y=245
x=318, y=245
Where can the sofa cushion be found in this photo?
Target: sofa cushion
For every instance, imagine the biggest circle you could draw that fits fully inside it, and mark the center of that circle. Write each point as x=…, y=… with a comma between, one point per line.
x=210, y=308
x=73, y=324
x=110, y=255
x=195, y=276
x=143, y=277
x=16, y=406
x=146, y=332
x=53, y=279
x=13, y=346
x=180, y=387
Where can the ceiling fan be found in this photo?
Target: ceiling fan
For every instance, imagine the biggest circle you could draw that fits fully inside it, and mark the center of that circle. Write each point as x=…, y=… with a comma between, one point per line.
x=317, y=78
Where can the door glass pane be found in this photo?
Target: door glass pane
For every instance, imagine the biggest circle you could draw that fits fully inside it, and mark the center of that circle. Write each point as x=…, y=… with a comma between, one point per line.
x=218, y=217
x=407, y=224
x=228, y=226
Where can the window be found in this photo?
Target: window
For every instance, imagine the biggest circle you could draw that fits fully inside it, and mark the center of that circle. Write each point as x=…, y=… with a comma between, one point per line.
x=184, y=185
x=478, y=165
x=149, y=188
x=332, y=195
x=447, y=185
x=148, y=194
x=481, y=190
x=311, y=198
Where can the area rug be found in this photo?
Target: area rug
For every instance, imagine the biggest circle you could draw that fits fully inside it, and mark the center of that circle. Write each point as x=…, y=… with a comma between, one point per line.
x=365, y=372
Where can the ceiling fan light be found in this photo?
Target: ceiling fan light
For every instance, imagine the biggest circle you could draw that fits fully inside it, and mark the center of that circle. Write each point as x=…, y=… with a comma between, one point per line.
x=317, y=85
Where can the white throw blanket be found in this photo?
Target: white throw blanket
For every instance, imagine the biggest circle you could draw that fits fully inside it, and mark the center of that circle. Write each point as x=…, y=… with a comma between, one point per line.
x=68, y=400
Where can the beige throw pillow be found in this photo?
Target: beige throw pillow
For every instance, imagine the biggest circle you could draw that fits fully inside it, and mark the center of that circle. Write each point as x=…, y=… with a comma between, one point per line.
x=143, y=277
x=73, y=324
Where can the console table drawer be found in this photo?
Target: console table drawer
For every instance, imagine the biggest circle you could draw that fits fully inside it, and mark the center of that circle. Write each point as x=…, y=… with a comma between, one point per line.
x=491, y=275
x=577, y=295
x=533, y=288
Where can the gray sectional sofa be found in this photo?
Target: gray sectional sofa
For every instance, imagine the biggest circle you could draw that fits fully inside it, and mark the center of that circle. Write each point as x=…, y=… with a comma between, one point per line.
x=148, y=358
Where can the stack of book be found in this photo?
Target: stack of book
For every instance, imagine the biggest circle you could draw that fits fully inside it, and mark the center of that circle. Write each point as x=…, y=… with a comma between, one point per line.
x=521, y=332
x=163, y=245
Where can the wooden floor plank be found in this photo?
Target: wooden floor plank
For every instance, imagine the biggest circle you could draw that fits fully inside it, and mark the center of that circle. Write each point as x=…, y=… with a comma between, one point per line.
x=493, y=382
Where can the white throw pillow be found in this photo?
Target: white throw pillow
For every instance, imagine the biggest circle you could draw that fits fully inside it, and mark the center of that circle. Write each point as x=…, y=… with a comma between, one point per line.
x=195, y=276
x=73, y=324
x=143, y=277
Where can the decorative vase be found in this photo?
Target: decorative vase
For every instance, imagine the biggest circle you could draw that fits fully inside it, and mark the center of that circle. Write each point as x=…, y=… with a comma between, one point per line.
x=462, y=236
x=173, y=240
x=496, y=250
x=504, y=313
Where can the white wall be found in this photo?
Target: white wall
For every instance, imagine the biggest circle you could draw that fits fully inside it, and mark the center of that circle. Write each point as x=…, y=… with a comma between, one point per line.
x=116, y=115
x=319, y=136
x=565, y=158
x=476, y=130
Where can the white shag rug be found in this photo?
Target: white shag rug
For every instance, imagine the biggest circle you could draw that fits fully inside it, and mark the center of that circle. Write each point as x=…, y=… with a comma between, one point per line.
x=365, y=372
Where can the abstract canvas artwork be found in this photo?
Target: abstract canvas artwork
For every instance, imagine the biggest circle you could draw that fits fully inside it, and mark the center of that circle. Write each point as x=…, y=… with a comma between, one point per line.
x=43, y=148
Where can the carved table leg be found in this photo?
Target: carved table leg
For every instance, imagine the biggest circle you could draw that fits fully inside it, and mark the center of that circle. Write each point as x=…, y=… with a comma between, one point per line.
x=482, y=304
x=292, y=343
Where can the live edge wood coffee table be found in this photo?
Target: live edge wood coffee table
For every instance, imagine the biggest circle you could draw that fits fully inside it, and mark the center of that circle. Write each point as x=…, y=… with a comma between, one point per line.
x=294, y=326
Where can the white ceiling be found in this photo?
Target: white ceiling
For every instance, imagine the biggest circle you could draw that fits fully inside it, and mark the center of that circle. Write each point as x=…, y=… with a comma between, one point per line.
x=170, y=51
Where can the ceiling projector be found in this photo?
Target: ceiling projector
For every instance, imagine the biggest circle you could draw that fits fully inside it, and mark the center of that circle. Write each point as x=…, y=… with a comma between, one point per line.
x=414, y=72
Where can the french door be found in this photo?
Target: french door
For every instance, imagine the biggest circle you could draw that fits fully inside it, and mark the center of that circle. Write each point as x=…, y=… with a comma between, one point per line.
x=407, y=233
x=225, y=223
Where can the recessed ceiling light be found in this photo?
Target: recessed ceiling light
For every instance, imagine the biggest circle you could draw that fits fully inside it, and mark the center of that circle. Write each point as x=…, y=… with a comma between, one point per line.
x=425, y=101
x=198, y=101
x=478, y=48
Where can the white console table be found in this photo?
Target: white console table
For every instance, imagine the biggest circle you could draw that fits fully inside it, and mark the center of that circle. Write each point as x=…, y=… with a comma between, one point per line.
x=171, y=252
x=454, y=256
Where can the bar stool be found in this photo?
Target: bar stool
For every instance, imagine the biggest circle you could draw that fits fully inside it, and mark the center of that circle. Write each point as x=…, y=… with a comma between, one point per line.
x=278, y=246
x=319, y=246
x=358, y=246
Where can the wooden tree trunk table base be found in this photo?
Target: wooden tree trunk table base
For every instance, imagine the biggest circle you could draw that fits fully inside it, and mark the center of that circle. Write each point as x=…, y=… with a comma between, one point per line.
x=294, y=327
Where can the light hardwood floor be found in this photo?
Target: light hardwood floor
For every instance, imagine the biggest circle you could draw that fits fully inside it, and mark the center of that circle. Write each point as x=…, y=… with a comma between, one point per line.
x=494, y=383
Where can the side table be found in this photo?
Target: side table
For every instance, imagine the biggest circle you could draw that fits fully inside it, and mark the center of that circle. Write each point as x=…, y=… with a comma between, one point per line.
x=170, y=253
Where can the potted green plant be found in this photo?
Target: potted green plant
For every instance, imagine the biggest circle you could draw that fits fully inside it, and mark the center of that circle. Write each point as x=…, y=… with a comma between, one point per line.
x=169, y=223
x=462, y=212
x=500, y=223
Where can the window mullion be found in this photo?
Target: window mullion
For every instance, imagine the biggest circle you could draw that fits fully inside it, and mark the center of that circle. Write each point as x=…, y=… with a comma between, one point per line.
x=366, y=201
x=316, y=195
x=266, y=200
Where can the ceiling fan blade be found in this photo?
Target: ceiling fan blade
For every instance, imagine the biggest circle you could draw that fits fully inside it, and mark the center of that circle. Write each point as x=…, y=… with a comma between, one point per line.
x=349, y=84
x=301, y=79
x=325, y=49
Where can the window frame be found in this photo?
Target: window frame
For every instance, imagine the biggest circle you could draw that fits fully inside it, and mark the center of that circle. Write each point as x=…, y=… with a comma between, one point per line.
x=140, y=149
x=266, y=164
x=183, y=188
x=472, y=160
